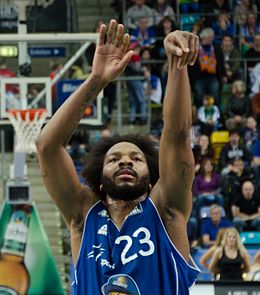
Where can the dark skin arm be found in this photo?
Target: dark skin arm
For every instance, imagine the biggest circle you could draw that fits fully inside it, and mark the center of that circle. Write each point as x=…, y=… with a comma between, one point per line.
x=172, y=194
x=57, y=168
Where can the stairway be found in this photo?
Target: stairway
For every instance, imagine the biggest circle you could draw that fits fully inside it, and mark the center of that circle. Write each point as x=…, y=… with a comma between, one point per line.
x=91, y=11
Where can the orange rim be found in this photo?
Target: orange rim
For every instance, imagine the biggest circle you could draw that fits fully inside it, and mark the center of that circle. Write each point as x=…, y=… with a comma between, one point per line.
x=31, y=112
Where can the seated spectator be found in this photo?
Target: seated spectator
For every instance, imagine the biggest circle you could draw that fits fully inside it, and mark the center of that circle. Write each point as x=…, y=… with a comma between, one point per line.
x=203, y=151
x=250, y=134
x=210, y=226
x=135, y=88
x=238, y=107
x=162, y=30
x=246, y=208
x=243, y=9
x=143, y=34
x=212, y=9
x=152, y=82
x=207, y=74
x=204, y=260
x=223, y=26
x=209, y=114
x=234, y=179
x=77, y=71
x=231, y=259
x=161, y=9
x=248, y=32
x=253, y=53
x=231, y=58
x=207, y=185
x=232, y=150
x=137, y=11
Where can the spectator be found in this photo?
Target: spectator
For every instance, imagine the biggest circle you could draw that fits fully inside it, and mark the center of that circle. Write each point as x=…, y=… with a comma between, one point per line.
x=238, y=107
x=231, y=58
x=223, y=26
x=161, y=9
x=210, y=252
x=77, y=70
x=207, y=74
x=152, y=82
x=251, y=134
x=135, y=88
x=162, y=30
x=211, y=226
x=207, y=185
x=234, y=179
x=137, y=11
x=232, y=150
x=253, y=53
x=209, y=114
x=246, y=208
x=144, y=35
x=248, y=32
x=7, y=73
x=231, y=259
x=243, y=9
x=203, y=151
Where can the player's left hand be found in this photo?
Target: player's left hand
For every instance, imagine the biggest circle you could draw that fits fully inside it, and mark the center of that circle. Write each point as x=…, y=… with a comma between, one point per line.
x=182, y=46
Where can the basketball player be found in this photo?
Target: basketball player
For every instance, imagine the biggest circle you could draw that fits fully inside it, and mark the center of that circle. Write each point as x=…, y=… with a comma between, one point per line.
x=128, y=224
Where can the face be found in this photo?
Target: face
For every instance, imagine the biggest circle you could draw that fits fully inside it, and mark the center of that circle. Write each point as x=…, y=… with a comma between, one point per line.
x=143, y=23
x=215, y=214
x=146, y=55
x=238, y=165
x=204, y=141
x=206, y=102
x=125, y=172
x=251, y=123
x=231, y=238
x=251, y=19
x=257, y=41
x=234, y=138
x=248, y=190
x=139, y=2
x=227, y=42
x=208, y=166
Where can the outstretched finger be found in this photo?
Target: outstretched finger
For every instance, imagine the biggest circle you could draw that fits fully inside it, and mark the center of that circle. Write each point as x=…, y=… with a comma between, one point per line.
x=119, y=35
x=102, y=35
x=125, y=43
x=125, y=60
x=111, y=31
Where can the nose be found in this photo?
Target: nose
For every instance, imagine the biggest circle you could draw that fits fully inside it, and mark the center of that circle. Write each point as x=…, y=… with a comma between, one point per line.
x=125, y=161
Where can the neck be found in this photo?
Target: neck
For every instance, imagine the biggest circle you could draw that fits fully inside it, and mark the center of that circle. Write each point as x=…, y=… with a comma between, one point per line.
x=119, y=209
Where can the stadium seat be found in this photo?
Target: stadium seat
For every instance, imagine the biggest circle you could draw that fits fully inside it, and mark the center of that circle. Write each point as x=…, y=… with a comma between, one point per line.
x=218, y=139
x=251, y=239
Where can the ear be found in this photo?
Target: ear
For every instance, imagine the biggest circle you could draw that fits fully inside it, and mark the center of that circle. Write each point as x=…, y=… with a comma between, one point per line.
x=101, y=187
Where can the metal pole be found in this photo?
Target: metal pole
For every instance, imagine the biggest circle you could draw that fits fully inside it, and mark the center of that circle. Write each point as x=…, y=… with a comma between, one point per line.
x=119, y=106
x=3, y=160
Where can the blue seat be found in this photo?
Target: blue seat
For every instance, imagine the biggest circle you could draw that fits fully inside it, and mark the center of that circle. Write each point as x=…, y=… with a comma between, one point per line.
x=251, y=239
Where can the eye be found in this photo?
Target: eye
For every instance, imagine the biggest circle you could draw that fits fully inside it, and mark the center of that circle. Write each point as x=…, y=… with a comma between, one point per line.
x=136, y=159
x=112, y=160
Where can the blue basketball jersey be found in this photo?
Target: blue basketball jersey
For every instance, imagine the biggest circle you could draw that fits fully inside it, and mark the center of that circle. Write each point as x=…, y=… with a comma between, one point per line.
x=137, y=259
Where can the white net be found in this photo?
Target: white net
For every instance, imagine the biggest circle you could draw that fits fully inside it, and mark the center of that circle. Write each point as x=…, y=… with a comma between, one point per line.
x=27, y=129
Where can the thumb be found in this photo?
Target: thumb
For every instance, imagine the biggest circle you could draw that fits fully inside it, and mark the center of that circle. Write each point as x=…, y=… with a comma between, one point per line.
x=126, y=59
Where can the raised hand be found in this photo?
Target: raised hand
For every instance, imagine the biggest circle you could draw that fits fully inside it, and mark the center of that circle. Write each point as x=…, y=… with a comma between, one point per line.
x=111, y=55
x=183, y=47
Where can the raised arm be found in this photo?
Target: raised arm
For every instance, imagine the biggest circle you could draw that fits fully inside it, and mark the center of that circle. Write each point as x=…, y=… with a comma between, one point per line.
x=57, y=168
x=172, y=194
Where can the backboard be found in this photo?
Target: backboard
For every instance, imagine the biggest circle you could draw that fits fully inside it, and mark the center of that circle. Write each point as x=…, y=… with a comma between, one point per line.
x=21, y=93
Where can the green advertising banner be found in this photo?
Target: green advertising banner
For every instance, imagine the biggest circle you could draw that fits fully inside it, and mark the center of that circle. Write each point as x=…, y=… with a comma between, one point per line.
x=26, y=262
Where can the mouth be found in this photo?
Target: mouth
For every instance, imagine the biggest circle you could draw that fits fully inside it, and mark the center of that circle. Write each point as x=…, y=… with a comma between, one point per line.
x=126, y=174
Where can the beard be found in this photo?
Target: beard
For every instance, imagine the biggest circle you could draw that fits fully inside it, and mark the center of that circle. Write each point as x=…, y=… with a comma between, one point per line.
x=126, y=192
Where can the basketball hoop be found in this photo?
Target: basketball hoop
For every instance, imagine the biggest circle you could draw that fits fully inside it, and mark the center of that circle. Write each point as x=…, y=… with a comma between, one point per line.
x=27, y=125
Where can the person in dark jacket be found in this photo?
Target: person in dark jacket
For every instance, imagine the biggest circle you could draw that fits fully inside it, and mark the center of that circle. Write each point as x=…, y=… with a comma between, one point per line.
x=238, y=106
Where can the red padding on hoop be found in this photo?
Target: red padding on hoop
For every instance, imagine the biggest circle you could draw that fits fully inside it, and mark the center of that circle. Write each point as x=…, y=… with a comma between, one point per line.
x=31, y=112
